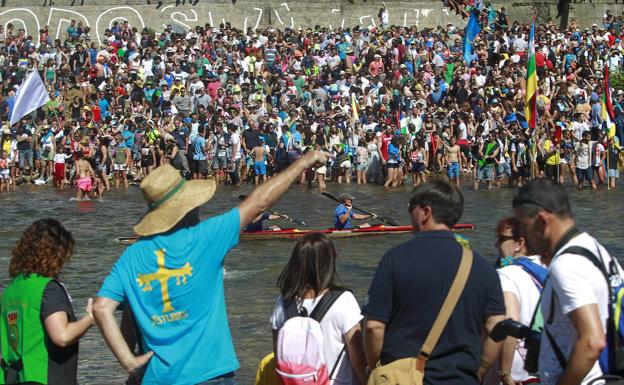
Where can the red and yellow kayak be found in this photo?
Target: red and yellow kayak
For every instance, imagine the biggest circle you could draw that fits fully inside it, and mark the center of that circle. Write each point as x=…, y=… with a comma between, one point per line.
x=331, y=232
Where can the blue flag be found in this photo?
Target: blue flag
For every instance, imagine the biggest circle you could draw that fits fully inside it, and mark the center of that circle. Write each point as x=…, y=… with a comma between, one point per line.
x=472, y=30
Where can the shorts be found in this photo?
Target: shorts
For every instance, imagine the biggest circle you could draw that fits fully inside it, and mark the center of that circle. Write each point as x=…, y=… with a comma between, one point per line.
x=37, y=154
x=614, y=173
x=85, y=184
x=119, y=167
x=345, y=164
x=503, y=168
x=523, y=172
x=361, y=167
x=453, y=170
x=393, y=165
x=5, y=174
x=259, y=168
x=322, y=170
x=551, y=171
x=584, y=174
x=418, y=167
x=485, y=173
x=200, y=167
x=220, y=162
x=24, y=157
x=48, y=155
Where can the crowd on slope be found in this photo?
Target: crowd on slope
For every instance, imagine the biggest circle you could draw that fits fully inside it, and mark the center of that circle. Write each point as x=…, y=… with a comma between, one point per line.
x=392, y=104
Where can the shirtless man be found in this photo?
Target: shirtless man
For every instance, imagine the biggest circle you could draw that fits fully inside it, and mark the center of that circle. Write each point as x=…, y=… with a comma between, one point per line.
x=84, y=184
x=260, y=155
x=453, y=159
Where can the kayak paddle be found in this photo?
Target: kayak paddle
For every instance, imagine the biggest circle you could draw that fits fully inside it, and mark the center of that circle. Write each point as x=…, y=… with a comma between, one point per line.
x=388, y=220
x=283, y=216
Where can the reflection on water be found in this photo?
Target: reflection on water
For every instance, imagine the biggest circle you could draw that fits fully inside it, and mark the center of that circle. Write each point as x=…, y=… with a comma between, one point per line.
x=253, y=267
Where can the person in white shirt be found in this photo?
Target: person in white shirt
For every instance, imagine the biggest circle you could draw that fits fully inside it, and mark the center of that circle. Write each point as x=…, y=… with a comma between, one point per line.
x=575, y=299
x=341, y=325
x=521, y=292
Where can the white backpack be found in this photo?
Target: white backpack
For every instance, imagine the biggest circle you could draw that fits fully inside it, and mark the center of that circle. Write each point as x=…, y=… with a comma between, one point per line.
x=300, y=358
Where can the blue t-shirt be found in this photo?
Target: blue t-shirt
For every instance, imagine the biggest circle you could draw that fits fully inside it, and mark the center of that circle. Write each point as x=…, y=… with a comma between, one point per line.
x=257, y=226
x=104, y=107
x=198, y=149
x=128, y=138
x=174, y=285
x=340, y=211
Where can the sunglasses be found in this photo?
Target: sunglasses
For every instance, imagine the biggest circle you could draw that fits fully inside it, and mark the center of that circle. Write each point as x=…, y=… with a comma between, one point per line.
x=503, y=238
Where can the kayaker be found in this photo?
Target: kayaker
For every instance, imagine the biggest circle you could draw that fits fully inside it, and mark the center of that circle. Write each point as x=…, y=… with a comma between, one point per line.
x=257, y=224
x=344, y=214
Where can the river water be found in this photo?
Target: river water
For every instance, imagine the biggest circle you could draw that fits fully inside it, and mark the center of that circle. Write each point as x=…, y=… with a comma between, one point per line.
x=253, y=267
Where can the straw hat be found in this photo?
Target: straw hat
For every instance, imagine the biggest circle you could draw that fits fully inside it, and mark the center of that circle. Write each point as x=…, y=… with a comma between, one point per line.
x=169, y=198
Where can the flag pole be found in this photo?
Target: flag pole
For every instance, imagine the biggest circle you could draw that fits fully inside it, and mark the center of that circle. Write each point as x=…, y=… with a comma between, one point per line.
x=608, y=156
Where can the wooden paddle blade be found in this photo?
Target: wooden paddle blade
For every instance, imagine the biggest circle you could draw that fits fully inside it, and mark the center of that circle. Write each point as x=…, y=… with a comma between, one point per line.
x=388, y=220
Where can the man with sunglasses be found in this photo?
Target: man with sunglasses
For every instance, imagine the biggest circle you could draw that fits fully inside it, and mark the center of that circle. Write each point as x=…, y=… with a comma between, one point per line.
x=575, y=298
x=410, y=285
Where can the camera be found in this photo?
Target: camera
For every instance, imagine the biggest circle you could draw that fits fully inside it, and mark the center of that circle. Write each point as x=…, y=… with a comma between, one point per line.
x=531, y=338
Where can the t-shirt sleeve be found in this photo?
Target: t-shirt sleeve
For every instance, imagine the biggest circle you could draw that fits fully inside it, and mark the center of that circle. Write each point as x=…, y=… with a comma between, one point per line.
x=220, y=233
x=278, y=318
x=378, y=304
x=54, y=300
x=570, y=283
x=113, y=287
x=507, y=282
x=495, y=303
x=351, y=312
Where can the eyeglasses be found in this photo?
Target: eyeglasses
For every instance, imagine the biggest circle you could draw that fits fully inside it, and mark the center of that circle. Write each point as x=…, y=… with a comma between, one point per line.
x=502, y=239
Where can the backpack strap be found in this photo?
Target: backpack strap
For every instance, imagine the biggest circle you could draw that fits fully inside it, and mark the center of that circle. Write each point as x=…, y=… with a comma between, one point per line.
x=325, y=304
x=457, y=287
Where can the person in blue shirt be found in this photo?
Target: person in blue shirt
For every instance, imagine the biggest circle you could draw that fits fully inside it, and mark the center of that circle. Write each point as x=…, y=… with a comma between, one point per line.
x=344, y=214
x=172, y=278
x=258, y=223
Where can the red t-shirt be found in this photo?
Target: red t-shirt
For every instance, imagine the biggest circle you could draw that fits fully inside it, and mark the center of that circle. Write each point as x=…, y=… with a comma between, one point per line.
x=385, y=141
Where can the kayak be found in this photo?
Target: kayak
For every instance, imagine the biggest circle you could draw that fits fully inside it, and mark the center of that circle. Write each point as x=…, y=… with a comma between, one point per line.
x=331, y=232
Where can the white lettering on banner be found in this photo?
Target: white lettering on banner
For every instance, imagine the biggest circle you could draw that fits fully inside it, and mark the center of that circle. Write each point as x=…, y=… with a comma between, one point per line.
x=139, y=25
x=286, y=15
x=28, y=19
x=63, y=15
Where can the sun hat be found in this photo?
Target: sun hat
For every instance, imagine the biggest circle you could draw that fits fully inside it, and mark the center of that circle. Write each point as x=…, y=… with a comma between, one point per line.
x=169, y=198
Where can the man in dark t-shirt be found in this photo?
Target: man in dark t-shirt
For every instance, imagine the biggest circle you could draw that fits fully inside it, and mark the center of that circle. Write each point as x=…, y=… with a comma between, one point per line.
x=410, y=285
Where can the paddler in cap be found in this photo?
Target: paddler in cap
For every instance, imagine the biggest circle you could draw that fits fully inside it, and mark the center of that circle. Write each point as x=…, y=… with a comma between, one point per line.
x=344, y=214
x=257, y=223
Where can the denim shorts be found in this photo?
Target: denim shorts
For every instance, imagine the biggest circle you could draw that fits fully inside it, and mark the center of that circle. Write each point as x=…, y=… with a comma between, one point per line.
x=485, y=173
x=502, y=169
x=25, y=156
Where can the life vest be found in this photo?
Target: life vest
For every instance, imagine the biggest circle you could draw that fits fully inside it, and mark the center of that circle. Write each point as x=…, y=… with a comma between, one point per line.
x=22, y=336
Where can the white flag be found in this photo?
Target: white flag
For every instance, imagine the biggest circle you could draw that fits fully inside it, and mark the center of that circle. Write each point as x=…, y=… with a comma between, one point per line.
x=31, y=95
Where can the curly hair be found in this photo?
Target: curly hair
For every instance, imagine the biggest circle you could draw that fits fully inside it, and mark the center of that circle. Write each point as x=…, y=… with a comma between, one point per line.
x=43, y=249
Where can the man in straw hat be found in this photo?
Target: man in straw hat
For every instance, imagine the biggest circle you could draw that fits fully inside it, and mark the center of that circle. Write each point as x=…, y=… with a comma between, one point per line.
x=172, y=278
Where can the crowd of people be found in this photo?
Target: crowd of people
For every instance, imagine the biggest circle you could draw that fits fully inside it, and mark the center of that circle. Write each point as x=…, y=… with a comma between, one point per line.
x=392, y=104
x=461, y=328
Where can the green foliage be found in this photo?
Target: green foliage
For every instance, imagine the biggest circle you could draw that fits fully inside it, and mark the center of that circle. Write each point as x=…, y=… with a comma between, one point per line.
x=617, y=80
